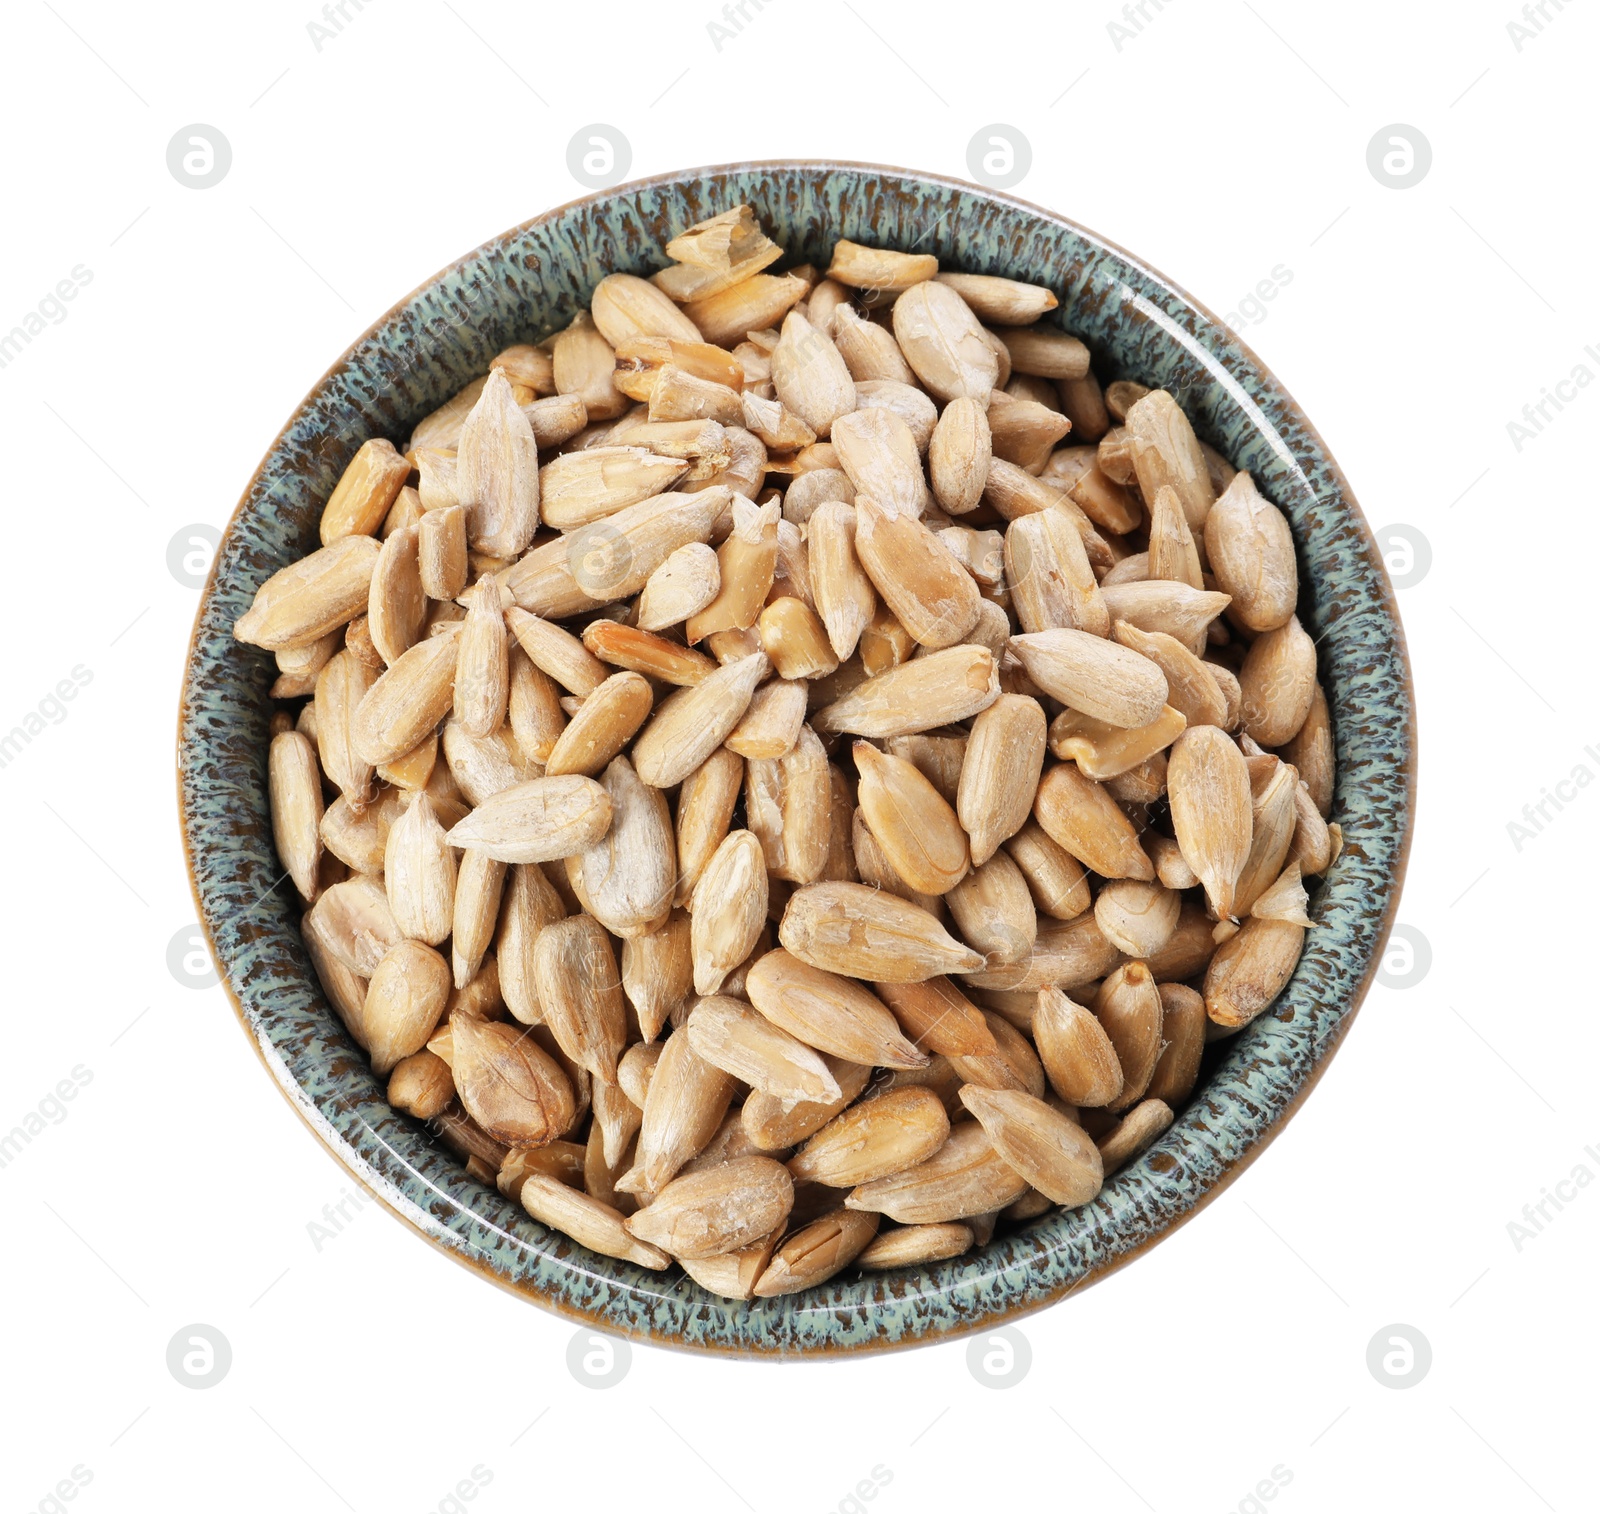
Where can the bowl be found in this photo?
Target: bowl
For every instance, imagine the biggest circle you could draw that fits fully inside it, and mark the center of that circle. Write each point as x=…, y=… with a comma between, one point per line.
x=531, y=281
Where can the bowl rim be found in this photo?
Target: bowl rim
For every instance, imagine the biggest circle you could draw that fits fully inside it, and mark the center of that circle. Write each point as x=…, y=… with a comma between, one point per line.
x=337, y=1149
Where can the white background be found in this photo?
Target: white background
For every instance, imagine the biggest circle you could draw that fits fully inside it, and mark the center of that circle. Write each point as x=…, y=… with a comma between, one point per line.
x=1222, y=140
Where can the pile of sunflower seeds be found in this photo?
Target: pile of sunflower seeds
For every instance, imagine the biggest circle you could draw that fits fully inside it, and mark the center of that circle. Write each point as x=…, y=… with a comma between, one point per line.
x=789, y=772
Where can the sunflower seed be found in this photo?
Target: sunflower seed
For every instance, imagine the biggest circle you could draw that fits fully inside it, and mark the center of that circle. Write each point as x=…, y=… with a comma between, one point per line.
x=860, y=932
x=405, y=997
x=693, y=723
x=829, y=1012
x=1042, y=1144
x=421, y=1086
x=717, y=1210
x=685, y=583
x=406, y=703
x=729, y=1034
x=294, y=789
x=876, y=1139
x=994, y=912
x=964, y=1178
x=604, y=724
x=729, y=909
x=580, y=994
x=844, y=593
x=944, y=344
x=1137, y=1130
x=579, y=487
x=911, y=821
x=1208, y=785
x=1278, y=684
x=302, y=603
x=538, y=821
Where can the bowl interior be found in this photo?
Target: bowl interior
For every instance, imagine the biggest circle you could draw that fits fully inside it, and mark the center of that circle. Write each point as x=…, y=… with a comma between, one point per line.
x=530, y=282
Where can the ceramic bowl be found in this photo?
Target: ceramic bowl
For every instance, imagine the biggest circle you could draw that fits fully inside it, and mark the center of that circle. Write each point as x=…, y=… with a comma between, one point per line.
x=531, y=281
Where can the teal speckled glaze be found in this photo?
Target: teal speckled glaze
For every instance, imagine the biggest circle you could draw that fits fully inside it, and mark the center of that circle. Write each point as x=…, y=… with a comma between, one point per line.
x=530, y=282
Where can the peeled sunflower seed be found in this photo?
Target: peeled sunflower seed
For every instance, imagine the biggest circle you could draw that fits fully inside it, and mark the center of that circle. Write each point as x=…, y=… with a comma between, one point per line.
x=811, y=1255
x=729, y=909
x=630, y=874
x=793, y=637
x=406, y=703
x=421, y=1086
x=1278, y=684
x=604, y=724
x=1078, y=1055
x=580, y=993
x=508, y=1085
x=295, y=790
x=1137, y=917
x=878, y=453
x=875, y=1139
x=537, y=821
x=844, y=594
x=1041, y=1143
x=419, y=871
x=920, y=695
x=1014, y=1063
x=354, y=924
x=994, y=911
x=1250, y=969
x=589, y=1222
x=717, y=1210
x=943, y=343
x=405, y=997
x=911, y=820
x=497, y=476
x=832, y=1013
x=1104, y=751
x=1095, y=676
x=1137, y=1130
x=579, y=487
x=915, y=1245
x=1069, y=954
x=1079, y=815
x=1183, y=1037
x=1055, y=878
x=658, y=973
x=1208, y=785
x=963, y=1178
x=728, y=1034
x=684, y=1105
x=915, y=573
x=1251, y=551
x=682, y=586
x=1129, y=1007
x=861, y=932
x=301, y=603
x=869, y=351
x=1000, y=772
x=1167, y=453
x=694, y=722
